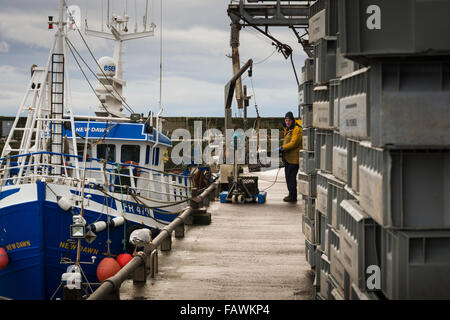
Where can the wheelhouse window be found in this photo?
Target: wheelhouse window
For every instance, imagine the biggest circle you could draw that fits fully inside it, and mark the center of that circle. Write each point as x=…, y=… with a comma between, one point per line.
x=80, y=149
x=107, y=152
x=129, y=153
x=155, y=157
x=147, y=155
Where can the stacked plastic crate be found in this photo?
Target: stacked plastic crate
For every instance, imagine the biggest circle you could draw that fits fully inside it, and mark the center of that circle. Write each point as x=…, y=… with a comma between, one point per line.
x=307, y=176
x=387, y=231
x=316, y=156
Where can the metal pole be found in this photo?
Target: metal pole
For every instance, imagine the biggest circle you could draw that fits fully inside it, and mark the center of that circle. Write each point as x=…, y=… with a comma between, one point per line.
x=229, y=91
x=234, y=43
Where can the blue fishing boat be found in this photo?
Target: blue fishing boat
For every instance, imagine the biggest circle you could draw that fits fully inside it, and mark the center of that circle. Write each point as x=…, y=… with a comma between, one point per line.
x=73, y=188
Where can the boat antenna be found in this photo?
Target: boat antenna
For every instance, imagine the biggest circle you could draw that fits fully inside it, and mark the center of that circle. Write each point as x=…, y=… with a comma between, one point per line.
x=146, y=14
x=118, y=31
x=83, y=183
x=158, y=129
x=160, y=56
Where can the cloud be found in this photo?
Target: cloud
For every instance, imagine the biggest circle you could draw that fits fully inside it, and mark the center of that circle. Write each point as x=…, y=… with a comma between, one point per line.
x=34, y=32
x=4, y=47
x=13, y=84
x=196, y=38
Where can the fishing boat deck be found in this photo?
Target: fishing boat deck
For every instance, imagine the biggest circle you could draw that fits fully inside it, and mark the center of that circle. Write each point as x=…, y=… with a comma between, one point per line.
x=248, y=252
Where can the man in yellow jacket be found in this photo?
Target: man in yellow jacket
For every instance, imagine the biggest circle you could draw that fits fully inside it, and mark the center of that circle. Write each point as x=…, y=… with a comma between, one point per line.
x=292, y=143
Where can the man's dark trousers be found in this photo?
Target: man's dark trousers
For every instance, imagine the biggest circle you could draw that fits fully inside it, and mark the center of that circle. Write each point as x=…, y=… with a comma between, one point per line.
x=290, y=172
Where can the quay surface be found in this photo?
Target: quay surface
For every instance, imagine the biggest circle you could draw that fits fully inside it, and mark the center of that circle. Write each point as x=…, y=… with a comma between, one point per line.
x=248, y=252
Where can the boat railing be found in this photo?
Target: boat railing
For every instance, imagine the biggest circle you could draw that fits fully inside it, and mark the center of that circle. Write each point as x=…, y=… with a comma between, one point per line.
x=112, y=176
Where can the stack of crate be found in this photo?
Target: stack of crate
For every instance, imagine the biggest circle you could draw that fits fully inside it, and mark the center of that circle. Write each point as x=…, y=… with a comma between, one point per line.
x=307, y=175
x=382, y=216
x=316, y=156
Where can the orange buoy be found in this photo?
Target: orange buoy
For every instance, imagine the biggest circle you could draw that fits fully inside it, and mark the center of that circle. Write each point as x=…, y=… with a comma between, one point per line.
x=107, y=268
x=4, y=260
x=123, y=259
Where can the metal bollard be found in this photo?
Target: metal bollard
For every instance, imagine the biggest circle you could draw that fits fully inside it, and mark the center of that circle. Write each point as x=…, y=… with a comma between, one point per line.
x=153, y=263
x=179, y=231
x=212, y=196
x=140, y=273
x=189, y=220
x=206, y=201
x=166, y=244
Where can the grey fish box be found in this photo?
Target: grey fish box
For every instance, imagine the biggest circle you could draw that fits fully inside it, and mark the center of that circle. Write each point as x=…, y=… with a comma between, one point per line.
x=344, y=66
x=325, y=60
x=337, y=192
x=322, y=111
x=308, y=139
x=306, y=184
x=305, y=93
x=380, y=28
x=340, y=157
x=333, y=89
x=324, y=274
x=310, y=206
x=336, y=266
x=310, y=253
x=405, y=189
x=307, y=115
x=321, y=227
x=322, y=192
x=308, y=229
x=323, y=21
x=415, y=265
x=398, y=104
x=306, y=161
x=324, y=150
x=353, y=165
x=354, y=105
x=336, y=292
x=308, y=70
x=360, y=239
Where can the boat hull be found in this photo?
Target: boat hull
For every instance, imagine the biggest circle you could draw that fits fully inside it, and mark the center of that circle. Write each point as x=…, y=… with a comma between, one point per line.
x=36, y=235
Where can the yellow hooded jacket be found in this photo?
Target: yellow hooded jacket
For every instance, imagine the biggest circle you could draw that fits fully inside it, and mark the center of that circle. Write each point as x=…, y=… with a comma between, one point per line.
x=292, y=142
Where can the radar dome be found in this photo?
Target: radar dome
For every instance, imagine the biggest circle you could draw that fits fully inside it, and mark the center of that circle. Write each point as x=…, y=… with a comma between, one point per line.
x=108, y=66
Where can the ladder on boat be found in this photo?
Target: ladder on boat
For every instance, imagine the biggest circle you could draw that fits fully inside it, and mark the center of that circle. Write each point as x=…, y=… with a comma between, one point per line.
x=56, y=112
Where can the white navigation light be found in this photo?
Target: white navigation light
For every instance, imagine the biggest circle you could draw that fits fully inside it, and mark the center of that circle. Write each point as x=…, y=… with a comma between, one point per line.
x=108, y=66
x=74, y=17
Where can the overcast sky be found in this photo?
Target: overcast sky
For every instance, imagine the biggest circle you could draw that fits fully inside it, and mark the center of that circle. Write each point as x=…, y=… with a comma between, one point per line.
x=195, y=66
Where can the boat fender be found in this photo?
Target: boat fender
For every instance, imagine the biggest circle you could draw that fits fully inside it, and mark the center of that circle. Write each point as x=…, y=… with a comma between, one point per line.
x=116, y=222
x=107, y=268
x=63, y=203
x=4, y=260
x=98, y=226
x=123, y=259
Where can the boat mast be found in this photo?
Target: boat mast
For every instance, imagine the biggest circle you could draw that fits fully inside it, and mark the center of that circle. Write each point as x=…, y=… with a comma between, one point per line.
x=112, y=98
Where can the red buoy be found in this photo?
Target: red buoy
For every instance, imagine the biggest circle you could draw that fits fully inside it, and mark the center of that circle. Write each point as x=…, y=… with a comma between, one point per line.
x=107, y=268
x=4, y=260
x=123, y=259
